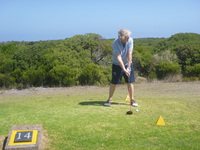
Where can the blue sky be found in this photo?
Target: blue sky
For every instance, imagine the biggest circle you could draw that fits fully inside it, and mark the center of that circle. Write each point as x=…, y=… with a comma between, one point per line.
x=34, y=20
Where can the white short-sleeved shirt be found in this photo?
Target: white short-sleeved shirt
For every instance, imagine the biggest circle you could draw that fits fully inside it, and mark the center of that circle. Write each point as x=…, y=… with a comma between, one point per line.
x=119, y=49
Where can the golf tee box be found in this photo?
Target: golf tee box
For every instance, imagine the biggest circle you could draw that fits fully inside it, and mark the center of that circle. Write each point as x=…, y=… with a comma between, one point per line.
x=24, y=137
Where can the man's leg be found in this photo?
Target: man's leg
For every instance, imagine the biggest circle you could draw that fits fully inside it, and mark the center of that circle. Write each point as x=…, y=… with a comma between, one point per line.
x=117, y=73
x=131, y=95
x=131, y=90
x=111, y=91
x=130, y=80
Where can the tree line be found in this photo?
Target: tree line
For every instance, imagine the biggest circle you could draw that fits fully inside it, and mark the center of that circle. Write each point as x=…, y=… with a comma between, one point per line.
x=86, y=60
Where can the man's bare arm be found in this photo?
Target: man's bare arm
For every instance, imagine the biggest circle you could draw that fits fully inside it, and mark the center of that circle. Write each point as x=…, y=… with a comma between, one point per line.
x=119, y=58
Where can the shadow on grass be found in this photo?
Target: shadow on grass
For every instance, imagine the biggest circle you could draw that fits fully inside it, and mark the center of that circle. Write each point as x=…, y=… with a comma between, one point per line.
x=4, y=143
x=98, y=103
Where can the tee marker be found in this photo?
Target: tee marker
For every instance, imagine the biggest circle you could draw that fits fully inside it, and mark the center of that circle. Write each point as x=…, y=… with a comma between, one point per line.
x=160, y=121
x=127, y=98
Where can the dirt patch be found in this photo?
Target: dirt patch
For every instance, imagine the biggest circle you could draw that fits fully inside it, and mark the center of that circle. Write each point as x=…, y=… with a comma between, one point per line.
x=47, y=91
x=175, y=88
x=45, y=141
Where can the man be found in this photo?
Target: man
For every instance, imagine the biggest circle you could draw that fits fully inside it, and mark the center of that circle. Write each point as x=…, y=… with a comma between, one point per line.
x=122, y=65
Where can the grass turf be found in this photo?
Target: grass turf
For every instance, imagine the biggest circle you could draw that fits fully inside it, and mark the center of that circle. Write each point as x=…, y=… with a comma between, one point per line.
x=74, y=118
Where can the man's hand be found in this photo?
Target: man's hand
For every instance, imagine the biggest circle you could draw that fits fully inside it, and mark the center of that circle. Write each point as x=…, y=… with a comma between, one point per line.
x=127, y=72
x=129, y=69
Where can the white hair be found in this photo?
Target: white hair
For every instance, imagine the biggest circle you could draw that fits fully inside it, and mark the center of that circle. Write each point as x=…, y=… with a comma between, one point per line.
x=123, y=33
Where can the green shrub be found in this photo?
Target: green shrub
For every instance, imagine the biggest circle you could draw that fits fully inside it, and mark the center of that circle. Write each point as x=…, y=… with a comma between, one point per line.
x=90, y=75
x=163, y=69
x=193, y=71
x=6, y=81
x=152, y=75
x=63, y=75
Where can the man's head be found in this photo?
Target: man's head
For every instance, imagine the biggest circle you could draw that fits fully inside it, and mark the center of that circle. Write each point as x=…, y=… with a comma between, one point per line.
x=124, y=35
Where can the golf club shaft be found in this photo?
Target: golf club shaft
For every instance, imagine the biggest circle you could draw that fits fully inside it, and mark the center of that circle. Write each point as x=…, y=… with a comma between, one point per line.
x=130, y=91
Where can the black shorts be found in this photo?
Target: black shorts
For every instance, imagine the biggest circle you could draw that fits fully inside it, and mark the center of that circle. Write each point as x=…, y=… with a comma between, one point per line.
x=117, y=74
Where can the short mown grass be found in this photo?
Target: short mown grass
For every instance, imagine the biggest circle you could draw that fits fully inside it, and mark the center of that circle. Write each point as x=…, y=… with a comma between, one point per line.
x=75, y=118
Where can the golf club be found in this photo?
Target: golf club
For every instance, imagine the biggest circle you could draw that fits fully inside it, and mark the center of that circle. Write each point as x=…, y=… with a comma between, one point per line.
x=129, y=112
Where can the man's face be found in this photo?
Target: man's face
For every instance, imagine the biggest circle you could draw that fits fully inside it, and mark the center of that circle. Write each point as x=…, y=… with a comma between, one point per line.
x=125, y=39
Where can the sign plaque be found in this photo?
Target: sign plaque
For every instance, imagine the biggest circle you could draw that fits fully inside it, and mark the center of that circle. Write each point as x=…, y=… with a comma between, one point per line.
x=24, y=136
x=27, y=137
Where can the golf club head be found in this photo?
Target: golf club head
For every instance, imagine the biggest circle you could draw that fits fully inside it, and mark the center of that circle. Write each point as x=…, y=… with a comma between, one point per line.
x=129, y=112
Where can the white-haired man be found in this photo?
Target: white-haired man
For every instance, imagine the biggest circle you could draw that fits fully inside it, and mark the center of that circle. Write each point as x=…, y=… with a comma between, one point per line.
x=122, y=65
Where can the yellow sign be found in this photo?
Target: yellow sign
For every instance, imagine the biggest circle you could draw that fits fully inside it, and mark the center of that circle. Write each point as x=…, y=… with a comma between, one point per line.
x=160, y=121
x=23, y=137
x=127, y=98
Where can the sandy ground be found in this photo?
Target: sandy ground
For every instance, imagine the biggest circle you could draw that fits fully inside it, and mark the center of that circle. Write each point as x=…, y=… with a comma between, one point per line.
x=157, y=87
x=48, y=91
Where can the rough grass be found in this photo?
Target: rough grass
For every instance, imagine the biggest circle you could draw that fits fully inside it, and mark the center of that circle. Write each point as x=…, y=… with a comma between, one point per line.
x=74, y=118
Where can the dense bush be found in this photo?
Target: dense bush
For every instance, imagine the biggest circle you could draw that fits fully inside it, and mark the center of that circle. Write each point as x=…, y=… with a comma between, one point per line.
x=193, y=71
x=187, y=48
x=63, y=75
x=143, y=60
x=164, y=69
x=86, y=60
